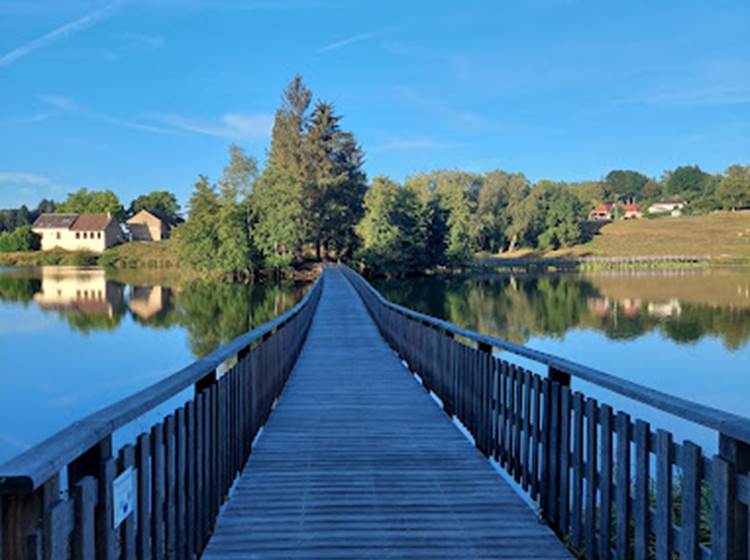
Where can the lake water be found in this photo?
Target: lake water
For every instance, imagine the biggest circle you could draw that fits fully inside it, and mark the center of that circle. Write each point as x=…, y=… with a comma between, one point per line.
x=685, y=332
x=73, y=340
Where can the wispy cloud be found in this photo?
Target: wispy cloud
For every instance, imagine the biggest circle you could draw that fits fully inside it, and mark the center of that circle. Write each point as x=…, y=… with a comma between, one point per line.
x=18, y=186
x=59, y=33
x=402, y=144
x=438, y=106
x=142, y=40
x=345, y=42
x=233, y=126
x=69, y=106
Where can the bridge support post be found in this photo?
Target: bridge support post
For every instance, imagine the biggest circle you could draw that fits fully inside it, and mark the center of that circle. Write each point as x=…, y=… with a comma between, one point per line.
x=737, y=454
x=484, y=433
x=554, y=418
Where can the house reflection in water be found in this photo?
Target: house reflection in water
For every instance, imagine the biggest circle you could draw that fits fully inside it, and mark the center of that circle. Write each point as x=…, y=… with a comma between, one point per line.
x=148, y=301
x=665, y=309
x=85, y=291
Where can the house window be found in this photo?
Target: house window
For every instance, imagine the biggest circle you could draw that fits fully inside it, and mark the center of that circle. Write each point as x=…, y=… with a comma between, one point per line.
x=58, y=235
x=98, y=234
x=78, y=235
x=85, y=235
x=41, y=236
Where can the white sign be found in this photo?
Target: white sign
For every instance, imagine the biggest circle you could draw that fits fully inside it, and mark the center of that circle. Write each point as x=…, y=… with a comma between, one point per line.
x=124, y=495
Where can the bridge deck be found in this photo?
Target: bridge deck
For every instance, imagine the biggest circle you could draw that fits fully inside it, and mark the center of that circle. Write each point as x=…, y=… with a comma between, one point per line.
x=357, y=461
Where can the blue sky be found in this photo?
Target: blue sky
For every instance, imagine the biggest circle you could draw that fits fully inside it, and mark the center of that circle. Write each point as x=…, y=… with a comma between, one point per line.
x=137, y=95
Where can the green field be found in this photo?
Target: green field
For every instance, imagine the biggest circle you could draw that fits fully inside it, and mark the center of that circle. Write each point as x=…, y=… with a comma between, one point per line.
x=719, y=235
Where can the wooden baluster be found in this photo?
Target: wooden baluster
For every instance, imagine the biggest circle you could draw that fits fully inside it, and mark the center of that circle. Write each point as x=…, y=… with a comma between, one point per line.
x=127, y=528
x=642, y=486
x=591, y=478
x=578, y=473
x=605, y=482
x=622, y=490
x=85, y=494
x=143, y=544
x=158, y=545
x=690, y=503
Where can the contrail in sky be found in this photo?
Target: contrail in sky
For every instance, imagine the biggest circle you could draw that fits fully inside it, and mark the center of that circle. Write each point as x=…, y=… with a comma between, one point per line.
x=56, y=34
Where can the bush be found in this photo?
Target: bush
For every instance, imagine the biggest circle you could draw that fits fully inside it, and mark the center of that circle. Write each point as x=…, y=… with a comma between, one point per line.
x=22, y=239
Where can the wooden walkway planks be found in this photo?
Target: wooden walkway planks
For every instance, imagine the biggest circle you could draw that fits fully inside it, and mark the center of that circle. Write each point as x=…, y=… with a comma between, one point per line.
x=358, y=462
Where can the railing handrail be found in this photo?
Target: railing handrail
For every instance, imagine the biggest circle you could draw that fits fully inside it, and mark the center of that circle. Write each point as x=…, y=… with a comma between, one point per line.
x=32, y=468
x=724, y=422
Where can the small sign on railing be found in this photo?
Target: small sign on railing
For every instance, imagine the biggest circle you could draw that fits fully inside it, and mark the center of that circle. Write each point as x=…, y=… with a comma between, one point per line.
x=124, y=495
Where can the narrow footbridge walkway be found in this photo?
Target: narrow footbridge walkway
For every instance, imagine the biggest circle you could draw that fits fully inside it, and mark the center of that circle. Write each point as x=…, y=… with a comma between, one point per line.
x=357, y=461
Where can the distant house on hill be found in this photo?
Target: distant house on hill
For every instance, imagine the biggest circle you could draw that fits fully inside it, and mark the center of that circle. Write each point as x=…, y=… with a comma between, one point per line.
x=149, y=225
x=631, y=212
x=602, y=213
x=77, y=232
x=672, y=207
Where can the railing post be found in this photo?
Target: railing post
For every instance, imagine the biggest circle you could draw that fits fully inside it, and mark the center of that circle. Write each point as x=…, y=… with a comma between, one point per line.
x=21, y=518
x=205, y=382
x=552, y=438
x=485, y=428
x=98, y=462
x=737, y=454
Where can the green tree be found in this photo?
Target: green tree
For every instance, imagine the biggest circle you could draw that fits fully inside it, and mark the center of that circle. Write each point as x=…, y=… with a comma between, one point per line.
x=21, y=239
x=392, y=230
x=197, y=238
x=335, y=183
x=161, y=202
x=236, y=251
x=688, y=181
x=499, y=192
x=451, y=198
x=84, y=201
x=625, y=183
x=734, y=189
x=549, y=218
x=279, y=217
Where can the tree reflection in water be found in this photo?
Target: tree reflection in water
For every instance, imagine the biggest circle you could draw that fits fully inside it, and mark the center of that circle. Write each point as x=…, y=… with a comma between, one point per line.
x=212, y=312
x=684, y=306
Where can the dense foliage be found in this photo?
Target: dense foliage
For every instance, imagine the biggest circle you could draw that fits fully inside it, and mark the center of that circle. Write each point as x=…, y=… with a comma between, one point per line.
x=311, y=199
x=12, y=218
x=309, y=195
x=21, y=239
x=162, y=203
x=84, y=201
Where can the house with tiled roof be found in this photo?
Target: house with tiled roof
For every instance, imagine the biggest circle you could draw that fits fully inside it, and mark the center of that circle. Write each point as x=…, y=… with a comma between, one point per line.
x=631, y=212
x=602, y=213
x=150, y=225
x=78, y=232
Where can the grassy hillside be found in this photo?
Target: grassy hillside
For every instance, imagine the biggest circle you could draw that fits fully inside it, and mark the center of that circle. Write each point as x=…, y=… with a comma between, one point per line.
x=724, y=234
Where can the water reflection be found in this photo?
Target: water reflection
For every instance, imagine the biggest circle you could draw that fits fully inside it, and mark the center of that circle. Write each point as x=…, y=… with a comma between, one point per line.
x=684, y=306
x=88, y=300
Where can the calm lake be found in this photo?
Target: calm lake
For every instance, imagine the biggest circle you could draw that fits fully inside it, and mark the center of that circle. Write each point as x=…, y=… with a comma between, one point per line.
x=73, y=340
x=684, y=332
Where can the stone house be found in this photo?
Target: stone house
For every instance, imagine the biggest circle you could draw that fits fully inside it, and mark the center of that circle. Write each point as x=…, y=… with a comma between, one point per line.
x=148, y=225
x=77, y=232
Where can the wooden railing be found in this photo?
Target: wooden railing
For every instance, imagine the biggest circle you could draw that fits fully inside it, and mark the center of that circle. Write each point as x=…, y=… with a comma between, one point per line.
x=58, y=498
x=608, y=484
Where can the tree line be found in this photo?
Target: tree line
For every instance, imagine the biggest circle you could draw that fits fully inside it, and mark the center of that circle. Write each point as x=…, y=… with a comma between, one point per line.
x=312, y=200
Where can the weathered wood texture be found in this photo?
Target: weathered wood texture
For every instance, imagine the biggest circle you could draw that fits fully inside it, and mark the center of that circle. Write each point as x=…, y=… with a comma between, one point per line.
x=610, y=486
x=184, y=467
x=358, y=462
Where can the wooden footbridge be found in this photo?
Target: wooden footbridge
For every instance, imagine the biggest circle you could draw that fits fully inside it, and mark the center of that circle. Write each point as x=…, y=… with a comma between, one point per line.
x=351, y=427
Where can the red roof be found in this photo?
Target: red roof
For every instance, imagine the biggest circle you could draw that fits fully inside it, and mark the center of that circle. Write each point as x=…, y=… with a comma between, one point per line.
x=632, y=208
x=603, y=208
x=91, y=222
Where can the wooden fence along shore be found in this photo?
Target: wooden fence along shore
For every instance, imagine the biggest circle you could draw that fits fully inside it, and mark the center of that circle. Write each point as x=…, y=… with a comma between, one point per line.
x=609, y=485
x=605, y=262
